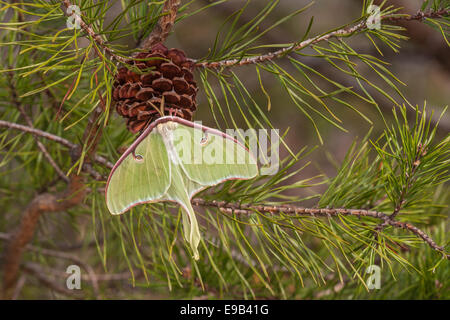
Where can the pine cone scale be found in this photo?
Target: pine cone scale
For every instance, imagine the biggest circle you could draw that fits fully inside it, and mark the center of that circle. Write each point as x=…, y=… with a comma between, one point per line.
x=165, y=75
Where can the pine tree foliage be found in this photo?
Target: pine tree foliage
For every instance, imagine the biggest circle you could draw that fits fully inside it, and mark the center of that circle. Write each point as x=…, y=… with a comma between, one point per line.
x=258, y=241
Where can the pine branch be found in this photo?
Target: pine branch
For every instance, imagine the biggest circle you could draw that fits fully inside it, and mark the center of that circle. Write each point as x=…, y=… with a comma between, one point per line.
x=422, y=37
x=46, y=202
x=245, y=209
x=122, y=276
x=91, y=276
x=55, y=138
x=283, y=35
x=420, y=16
x=93, y=132
x=72, y=196
x=420, y=152
x=20, y=283
x=36, y=271
x=90, y=31
x=15, y=100
x=421, y=234
x=38, y=132
x=162, y=29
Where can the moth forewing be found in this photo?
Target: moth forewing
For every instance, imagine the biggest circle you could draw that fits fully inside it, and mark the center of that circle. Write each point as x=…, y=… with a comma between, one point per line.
x=133, y=181
x=222, y=157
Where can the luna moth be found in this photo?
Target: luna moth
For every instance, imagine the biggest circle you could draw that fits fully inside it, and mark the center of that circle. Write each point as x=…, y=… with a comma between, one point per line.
x=172, y=160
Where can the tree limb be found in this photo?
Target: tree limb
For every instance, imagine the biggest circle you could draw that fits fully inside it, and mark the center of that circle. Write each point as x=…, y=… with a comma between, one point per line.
x=162, y=29
x=15, y=100
x=159, y=33
x=90, y=31
x=324, y=37
x=122, y=276
x=246, y=209
x=420, y=234
x=45, y=202
x=36, y=271
x=54, y=138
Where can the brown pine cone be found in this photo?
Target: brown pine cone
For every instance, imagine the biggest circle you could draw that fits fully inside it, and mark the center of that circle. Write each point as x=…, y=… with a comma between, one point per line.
x=164, y=74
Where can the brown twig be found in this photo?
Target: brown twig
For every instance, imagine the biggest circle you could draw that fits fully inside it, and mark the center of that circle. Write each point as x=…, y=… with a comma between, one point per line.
x=37, y=272
x=62, y=255
x=246, y=209
x=162, y=29
x=283, y=35
x=93, y=132
x=427, y=41
x=97, y=38
x=19, y=287
x=419, y=16
x=123, y=276
x=282, y=52
x=159, y=33
x=55, y=138
x=91, y=276
x=16, y=101
x=419, y=233
x=46, y=202
x=420, y=153
x=38, y=132
x=324, y=37
x=42, y=148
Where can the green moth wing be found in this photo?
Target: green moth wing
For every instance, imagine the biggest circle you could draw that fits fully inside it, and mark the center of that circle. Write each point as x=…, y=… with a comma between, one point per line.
x=163, y=164
x=142, y=175
x=210, y=157
x=180, y=189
